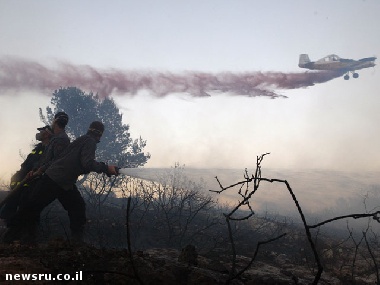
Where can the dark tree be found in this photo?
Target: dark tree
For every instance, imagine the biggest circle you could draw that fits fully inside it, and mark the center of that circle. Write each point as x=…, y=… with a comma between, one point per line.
x=116, y=144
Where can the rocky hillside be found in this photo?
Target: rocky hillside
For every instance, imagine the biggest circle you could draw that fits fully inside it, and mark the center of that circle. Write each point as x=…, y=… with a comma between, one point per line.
x=153, y=266
x=160, y=230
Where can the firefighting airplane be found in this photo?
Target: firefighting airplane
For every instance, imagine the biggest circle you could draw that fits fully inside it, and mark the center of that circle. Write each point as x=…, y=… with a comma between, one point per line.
x=335, y=63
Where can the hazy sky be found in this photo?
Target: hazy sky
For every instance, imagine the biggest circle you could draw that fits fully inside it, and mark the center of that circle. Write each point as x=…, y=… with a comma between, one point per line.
x=332, y=125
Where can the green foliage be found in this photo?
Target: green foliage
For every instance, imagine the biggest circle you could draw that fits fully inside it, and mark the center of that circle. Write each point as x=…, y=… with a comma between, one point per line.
x=116, y=144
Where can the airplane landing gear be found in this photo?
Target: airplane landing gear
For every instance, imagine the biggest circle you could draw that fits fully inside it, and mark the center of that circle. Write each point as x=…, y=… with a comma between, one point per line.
x=354, y=75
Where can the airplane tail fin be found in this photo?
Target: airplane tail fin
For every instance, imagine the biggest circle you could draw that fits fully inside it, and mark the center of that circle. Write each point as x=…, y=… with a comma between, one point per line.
x=304, y=60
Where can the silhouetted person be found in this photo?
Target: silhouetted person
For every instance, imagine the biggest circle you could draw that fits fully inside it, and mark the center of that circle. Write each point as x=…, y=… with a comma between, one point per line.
x=57, y=183
x=31, y=163
x=54, y=141
x=57, y=144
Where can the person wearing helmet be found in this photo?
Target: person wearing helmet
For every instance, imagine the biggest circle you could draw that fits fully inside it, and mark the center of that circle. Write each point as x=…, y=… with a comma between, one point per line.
x=57, y=144
x=31, y=162
x=57, y=183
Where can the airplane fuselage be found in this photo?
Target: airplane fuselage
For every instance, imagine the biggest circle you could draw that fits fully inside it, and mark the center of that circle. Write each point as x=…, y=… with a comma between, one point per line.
x=340, y=65
x=334, y=62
